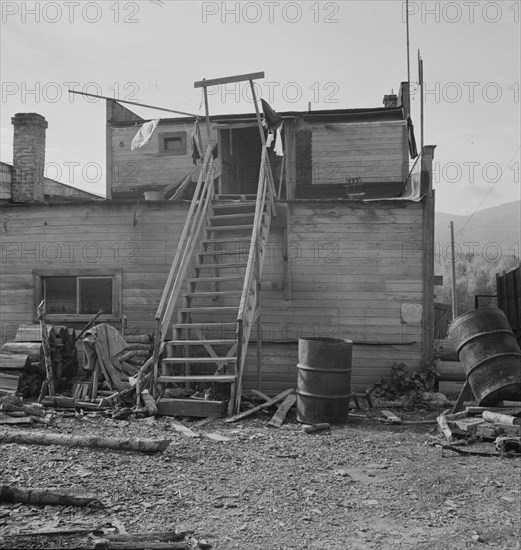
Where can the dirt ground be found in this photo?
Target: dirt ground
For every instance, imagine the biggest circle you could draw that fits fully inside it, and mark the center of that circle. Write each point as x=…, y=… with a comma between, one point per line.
x=363, y=485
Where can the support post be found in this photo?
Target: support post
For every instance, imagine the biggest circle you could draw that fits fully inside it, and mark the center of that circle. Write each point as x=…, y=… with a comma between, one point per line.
x=453, y=262
x=207, y=113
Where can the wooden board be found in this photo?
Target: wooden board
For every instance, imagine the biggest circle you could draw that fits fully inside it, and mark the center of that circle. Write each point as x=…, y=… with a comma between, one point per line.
x=198, y=408
x=280, y=415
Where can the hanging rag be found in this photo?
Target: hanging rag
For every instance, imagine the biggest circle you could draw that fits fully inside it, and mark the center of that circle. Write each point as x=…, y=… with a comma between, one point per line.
x=197, y=148
x=272, y=120
x=144, y=134
x=279, y=148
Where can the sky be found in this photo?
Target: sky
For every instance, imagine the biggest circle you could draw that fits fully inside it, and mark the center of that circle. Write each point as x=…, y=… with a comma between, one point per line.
x=338, y=54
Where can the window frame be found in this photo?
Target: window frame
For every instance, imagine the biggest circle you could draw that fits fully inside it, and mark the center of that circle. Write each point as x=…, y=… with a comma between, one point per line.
x=182, y=151
x=39, y=275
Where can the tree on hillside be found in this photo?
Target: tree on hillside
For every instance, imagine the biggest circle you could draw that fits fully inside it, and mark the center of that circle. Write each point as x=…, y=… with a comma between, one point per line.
x=475, y=274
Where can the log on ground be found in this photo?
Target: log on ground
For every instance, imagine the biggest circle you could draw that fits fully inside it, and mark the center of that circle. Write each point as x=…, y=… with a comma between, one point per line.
x=116, y=443
x=51, y=497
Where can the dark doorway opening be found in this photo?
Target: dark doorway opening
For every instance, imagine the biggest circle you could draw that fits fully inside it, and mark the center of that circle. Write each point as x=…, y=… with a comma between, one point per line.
x=240, y=151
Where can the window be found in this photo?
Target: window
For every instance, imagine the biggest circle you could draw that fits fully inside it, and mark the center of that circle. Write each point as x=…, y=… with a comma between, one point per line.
x=172, y=143
x=78, y=296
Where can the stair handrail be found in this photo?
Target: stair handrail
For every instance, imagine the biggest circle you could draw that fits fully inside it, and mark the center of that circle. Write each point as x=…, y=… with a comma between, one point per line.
x=196, y=214
x=265, y=193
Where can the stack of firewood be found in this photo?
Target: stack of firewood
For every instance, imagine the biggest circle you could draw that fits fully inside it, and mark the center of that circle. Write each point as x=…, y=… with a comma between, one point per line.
x=13, y=411
x=22, y=363
x=139, y=348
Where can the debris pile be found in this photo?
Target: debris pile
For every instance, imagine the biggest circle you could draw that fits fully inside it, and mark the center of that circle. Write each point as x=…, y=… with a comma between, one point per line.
x=14, y=411
x=22, y=362
x=500, y=425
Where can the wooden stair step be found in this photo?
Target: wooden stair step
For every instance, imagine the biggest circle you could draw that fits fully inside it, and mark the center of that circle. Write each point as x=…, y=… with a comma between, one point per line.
x=223, y=341
x=228, y=227
x=208, y=309
x=236, y=204
x=216, y=279
x=219, y=266
x=228, y=324
x=224, y=252
x=230, y=240
x=205, y=359
x=217, y=379
x=210, y=294
x=236, y=216
x=235, y=196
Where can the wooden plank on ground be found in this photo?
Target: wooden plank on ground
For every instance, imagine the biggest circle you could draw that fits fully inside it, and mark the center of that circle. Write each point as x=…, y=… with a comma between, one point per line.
x=391, y=417
x=282, y=411
x=261, y=395
x=182, y=429
x=269, y=403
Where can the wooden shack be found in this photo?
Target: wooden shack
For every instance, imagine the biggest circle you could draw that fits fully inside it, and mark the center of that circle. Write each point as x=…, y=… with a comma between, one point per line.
x=346, y=248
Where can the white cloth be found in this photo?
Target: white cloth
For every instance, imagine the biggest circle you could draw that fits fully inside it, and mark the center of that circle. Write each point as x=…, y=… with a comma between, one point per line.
x=144, y=134
x=269, y=139
x=279, y=147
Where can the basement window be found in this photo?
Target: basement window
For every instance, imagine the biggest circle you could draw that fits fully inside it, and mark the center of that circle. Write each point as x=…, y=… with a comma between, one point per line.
x=78, y=296
x=172, y=143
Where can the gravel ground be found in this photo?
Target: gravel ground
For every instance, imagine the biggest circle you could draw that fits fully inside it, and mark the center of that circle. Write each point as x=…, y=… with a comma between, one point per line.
x=360, y=486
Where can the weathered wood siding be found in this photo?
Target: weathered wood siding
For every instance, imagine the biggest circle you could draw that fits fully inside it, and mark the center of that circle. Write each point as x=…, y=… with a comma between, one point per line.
x=356, y=272
x=147, y=168
x=138, y=239
x=372, y=151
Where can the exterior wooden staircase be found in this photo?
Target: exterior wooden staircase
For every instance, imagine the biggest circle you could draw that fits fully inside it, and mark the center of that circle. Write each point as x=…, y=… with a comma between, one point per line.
x=222, y=278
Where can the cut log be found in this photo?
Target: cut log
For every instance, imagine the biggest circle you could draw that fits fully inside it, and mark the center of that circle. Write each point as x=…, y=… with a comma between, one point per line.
x=171, y=536
x=105, y=544
x=446, y=350
x=117, y=443
x=14, y=361
x=141, y=347
x=150, y=404
x=52, y=497
x=32, y=349
x=265, y=405
x=282, y=411
x=138, y=338
x=451, y=371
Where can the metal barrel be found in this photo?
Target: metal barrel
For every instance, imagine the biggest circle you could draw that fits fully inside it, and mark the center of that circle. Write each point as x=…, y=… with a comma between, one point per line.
x=490, y=354
x=324, y=380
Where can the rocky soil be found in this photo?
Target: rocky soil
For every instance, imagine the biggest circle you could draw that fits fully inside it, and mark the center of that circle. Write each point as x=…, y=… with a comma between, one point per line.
x=365, y=485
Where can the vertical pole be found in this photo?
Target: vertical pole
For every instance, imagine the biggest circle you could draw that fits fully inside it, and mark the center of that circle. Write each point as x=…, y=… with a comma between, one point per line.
x=420, y=70
x=454, y=297
x=408, y=55
x=207, y=111
x=257, y=113
x=259, y=330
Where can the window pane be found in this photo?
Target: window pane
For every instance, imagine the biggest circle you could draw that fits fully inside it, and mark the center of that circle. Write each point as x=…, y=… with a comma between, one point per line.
x=60, y=295
x=172, y=144
x=95, y=295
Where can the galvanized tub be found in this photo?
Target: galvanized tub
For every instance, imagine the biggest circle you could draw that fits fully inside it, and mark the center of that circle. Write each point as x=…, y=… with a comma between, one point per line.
x=490, y=354
x=324, y=380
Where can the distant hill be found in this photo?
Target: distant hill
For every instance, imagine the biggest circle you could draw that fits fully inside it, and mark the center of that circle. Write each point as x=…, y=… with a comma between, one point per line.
x=500, y=225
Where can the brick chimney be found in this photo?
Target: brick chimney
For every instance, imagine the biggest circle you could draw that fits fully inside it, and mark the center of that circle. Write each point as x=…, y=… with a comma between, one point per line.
x=28, y=157
x=390, y=101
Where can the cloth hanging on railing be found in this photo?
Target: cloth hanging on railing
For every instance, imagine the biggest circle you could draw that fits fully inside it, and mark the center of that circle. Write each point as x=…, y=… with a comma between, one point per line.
x=144, y=134
x=279, y=147
x=197, y=147
x=273, y=122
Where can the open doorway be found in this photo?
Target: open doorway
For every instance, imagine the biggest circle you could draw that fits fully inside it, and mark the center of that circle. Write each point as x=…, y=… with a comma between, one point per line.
x=240, y=151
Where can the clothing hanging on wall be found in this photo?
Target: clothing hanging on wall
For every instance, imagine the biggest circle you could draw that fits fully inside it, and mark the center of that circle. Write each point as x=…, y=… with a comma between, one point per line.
x=144, y=134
